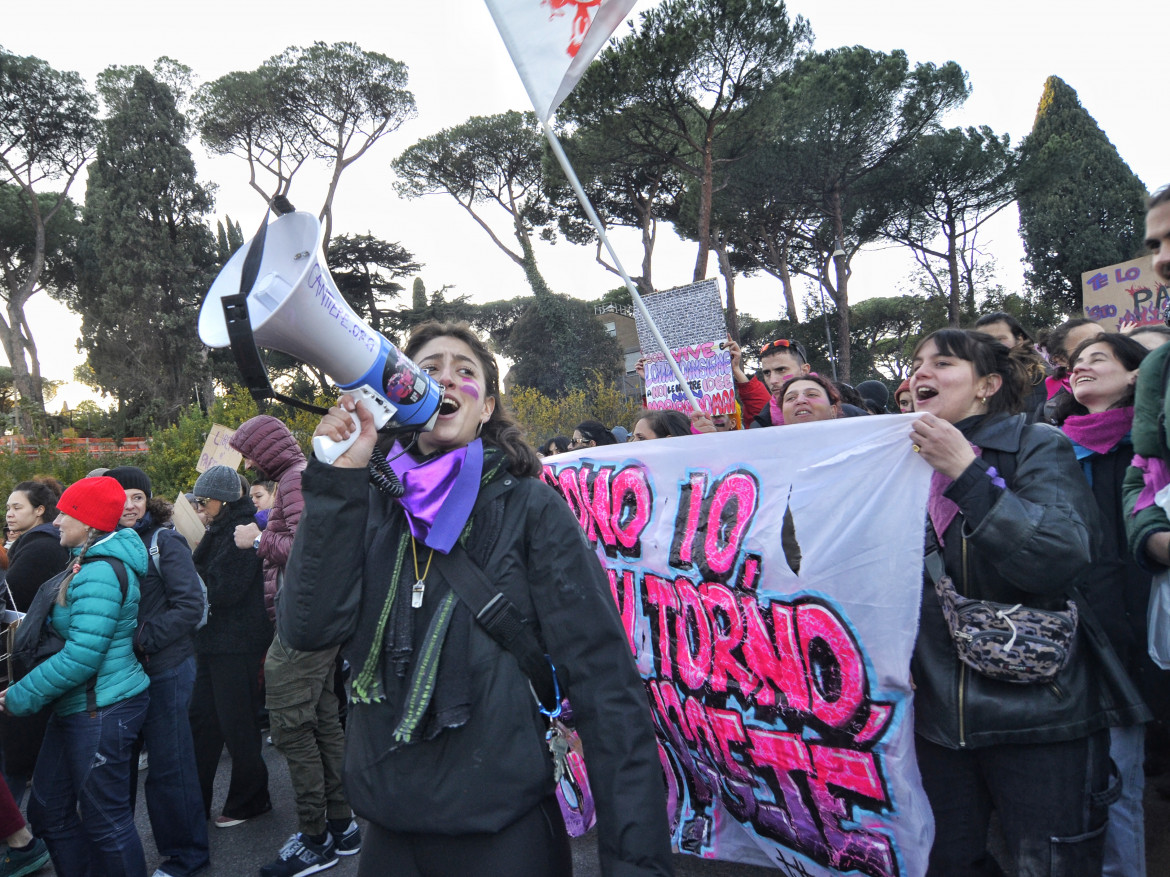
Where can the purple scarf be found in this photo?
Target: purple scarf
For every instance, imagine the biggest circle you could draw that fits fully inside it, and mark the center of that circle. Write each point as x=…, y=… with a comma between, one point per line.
x=1099, y=432
x=440, y=492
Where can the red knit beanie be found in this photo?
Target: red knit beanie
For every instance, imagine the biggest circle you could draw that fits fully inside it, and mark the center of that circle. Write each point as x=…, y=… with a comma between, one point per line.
x=96, y=502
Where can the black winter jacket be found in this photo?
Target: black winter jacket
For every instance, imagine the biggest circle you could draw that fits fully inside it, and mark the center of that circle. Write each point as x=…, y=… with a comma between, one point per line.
x=1030, y=544
x=35, y=557
x=171, y=603
x=482, y=776
x=237, y=623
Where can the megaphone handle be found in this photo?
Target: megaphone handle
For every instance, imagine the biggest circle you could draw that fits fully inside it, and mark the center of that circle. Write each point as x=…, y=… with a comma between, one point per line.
x=327, y=450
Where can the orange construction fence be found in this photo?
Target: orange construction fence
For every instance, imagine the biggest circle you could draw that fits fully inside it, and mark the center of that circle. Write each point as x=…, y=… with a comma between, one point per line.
x=94, y=447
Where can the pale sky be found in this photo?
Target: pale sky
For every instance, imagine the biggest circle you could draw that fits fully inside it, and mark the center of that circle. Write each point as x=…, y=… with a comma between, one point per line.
x=459, y=68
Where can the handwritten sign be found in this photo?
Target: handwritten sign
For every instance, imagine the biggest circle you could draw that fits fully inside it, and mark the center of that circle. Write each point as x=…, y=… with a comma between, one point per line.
x=691, y=321
x=707, y=370
x=217, y=451
x=187, y=521
x=1124, y=296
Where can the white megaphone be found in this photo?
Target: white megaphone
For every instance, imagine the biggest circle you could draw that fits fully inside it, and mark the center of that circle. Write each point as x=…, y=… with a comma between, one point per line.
x=292, y=305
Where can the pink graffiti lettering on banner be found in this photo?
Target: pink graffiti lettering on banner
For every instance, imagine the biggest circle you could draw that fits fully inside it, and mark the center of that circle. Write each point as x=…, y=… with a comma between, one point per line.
x=763, y=705
x=612, y=506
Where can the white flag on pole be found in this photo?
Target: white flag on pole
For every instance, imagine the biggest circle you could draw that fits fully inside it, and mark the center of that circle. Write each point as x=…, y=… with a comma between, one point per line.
x=552, y=42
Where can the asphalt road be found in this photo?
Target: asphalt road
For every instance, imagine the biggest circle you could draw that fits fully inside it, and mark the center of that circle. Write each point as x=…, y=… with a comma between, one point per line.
x=240, y=851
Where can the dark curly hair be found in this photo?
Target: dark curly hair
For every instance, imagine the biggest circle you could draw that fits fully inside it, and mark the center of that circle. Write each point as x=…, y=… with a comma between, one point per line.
x=666, y=423
x=40, y=494
x=501, y=430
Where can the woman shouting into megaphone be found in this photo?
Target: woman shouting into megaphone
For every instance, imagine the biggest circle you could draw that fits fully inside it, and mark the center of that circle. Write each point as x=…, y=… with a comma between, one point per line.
x=448, y=748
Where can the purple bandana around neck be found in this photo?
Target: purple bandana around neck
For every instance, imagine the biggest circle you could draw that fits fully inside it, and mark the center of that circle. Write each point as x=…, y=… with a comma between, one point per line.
x=1099, y=432
x=440, y=492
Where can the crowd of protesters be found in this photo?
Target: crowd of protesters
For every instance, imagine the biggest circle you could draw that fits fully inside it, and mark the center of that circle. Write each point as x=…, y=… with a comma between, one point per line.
x=162, y=667
x=1037, y=499
x=423, y=560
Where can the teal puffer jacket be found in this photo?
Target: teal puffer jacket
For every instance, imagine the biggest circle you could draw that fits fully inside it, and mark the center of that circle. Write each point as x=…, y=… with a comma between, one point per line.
x=98, y=627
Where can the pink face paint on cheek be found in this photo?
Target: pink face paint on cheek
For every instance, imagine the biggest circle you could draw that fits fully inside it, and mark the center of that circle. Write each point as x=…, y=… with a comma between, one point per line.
x=470, y=389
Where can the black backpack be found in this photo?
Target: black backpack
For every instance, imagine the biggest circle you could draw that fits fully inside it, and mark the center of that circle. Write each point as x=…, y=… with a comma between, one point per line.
x=37, y=640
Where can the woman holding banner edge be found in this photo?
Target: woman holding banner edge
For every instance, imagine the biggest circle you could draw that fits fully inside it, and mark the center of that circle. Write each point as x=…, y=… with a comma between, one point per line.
x=1012, y=518
x=478, y=726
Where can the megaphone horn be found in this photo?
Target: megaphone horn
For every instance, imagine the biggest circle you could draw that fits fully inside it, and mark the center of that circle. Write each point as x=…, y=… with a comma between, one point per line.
x=295, y=307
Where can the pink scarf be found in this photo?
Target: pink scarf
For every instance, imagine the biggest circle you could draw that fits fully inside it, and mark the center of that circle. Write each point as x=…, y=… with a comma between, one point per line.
x=942, y=510
x=776, y=411
x=1099, y=432
x=1156, y=475
x=1055, y=385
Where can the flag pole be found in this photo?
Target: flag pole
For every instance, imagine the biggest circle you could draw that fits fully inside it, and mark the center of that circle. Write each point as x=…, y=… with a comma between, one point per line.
x=563, y=160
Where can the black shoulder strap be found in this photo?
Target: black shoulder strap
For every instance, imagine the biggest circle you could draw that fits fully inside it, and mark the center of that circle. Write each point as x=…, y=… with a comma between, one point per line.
x=501, y=619
x=495, y=612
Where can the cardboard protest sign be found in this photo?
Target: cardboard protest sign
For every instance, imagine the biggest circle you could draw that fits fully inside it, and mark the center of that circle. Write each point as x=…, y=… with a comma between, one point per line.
x=1125, y=295
x=217, y=451
x=187, y=521
x=769, y=582
x=691, y=321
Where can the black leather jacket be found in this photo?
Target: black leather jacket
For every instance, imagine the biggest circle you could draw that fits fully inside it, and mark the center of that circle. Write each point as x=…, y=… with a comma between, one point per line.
x=493, y=769
x=1030, y=543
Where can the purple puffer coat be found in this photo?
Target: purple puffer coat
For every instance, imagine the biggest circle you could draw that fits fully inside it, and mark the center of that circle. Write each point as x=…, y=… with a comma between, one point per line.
x=267, y=442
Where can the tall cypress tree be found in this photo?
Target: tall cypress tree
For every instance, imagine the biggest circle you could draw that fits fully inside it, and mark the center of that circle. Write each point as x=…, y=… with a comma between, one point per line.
x=1081, y=207
x=147, y=257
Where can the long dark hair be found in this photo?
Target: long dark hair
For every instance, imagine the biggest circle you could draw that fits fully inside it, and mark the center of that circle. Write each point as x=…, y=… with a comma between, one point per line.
x=1129, y=353
x=501, y=430
x=666, y=423
x=988, y=357
x=40, y=494
x=597, y=432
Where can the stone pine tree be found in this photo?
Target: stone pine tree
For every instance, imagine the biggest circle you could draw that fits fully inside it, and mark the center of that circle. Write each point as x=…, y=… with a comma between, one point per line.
x=492, y=167
x=147, y=258
x=1081, y=207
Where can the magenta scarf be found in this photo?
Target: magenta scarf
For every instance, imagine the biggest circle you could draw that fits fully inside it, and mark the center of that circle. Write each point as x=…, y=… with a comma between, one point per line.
x=942, y=510
x=1099, y=432
x=440, y=492
x=1055, y=385
x=1155, y=475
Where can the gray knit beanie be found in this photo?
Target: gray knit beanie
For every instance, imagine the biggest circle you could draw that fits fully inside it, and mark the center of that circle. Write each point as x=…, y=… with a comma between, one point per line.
x=219, y=482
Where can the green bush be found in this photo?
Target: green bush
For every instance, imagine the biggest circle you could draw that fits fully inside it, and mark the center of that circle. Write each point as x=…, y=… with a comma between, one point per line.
x=174, y=451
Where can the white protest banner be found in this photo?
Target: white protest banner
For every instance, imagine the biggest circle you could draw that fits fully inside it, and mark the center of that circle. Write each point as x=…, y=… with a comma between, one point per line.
x=552, y=42
x=1125, y=295
x=691, y=321
x=216, y=450
x=769, y=582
